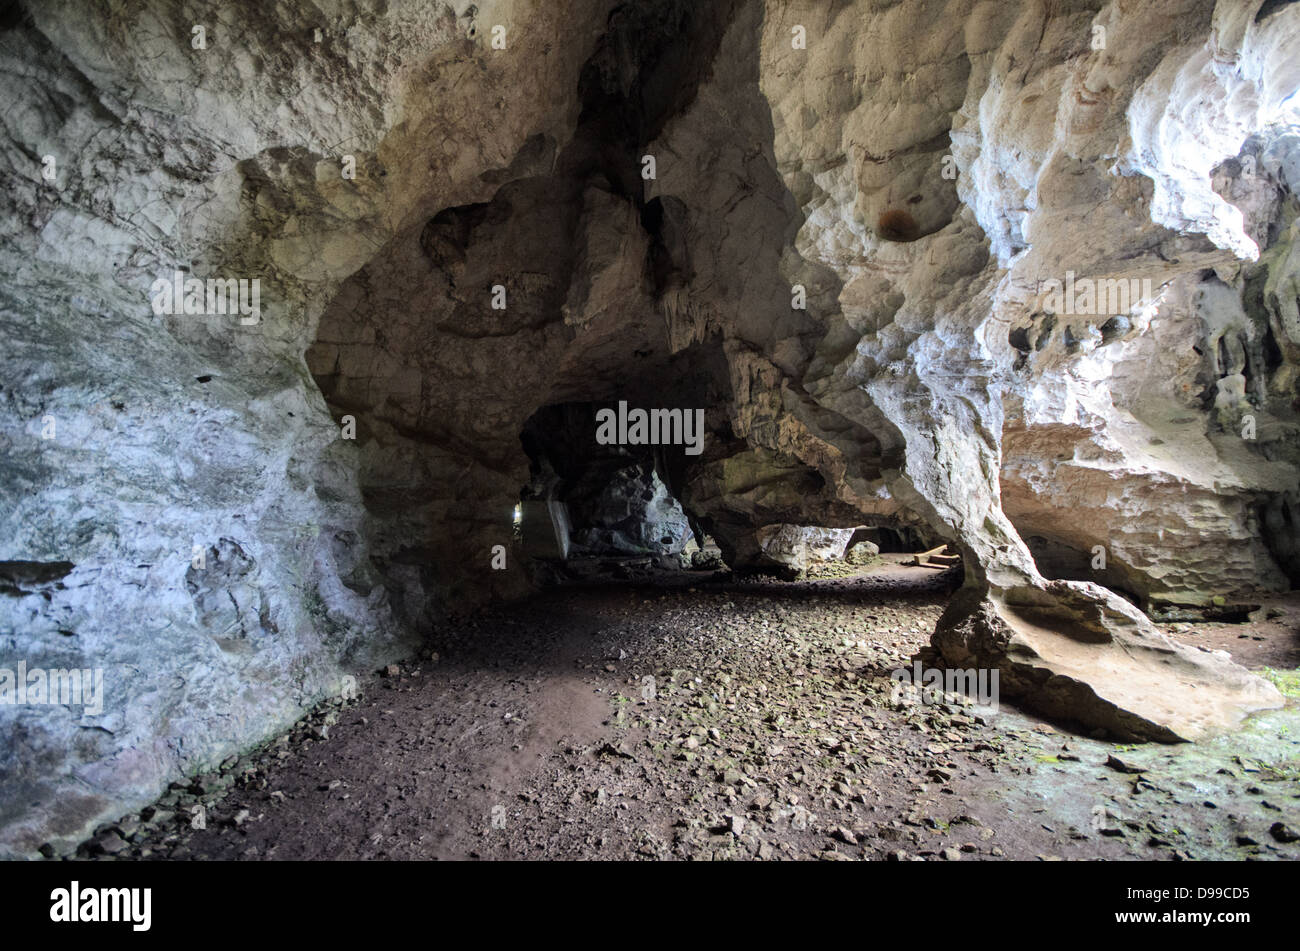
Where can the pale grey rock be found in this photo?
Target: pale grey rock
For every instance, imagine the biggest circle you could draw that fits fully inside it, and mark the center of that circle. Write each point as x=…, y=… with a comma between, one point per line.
x=798, y=546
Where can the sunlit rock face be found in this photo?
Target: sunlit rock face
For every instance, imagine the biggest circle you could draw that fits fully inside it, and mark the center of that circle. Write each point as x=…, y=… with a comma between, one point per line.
x=1169, y=502
x=844, y=257
x=796, y=547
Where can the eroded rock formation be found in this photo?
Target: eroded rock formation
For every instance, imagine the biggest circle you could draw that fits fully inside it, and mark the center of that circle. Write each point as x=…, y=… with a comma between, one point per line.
x=845, y=257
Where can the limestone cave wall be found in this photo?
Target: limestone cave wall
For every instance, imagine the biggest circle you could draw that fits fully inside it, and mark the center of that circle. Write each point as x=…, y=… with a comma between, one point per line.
x=845, y=257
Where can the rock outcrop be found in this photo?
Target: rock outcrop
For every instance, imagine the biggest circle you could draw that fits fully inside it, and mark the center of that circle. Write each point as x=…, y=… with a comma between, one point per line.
x=795, y=547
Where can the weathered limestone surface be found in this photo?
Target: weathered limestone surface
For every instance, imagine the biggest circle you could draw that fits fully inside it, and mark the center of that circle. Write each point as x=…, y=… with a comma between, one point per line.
x=921, y=170
x=1086, y=657
x=798, y=546
x=1079, y=159
x=181, y=434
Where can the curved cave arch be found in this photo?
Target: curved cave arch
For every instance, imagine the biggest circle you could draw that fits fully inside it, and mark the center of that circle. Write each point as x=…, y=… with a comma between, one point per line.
x=448, y=242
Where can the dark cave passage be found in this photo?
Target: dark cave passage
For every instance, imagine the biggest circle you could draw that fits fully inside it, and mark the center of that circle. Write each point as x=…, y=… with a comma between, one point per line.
x=596, y=509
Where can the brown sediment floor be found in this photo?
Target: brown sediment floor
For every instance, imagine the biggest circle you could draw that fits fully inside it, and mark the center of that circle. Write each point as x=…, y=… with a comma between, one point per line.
x=728, y=720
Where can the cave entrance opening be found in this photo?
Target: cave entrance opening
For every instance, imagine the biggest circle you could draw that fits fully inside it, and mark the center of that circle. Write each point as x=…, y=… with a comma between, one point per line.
x=601, y=511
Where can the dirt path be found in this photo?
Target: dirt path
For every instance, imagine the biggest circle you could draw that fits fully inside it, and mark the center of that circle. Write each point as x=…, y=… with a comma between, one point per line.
x=722, y=721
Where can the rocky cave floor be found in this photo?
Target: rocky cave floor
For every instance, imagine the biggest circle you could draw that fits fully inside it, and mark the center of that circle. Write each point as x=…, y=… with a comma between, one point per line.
x=530, y=732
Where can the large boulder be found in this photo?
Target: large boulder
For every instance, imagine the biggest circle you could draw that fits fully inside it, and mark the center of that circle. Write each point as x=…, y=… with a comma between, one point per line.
x=862, y=553
x=797, y=546
x=1076, y=652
